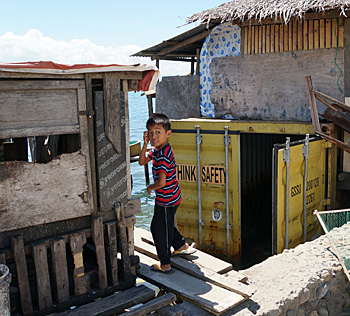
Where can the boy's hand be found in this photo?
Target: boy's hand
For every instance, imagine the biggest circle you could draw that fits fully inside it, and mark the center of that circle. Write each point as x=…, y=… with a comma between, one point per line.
x=149, y=190
x=145, y=137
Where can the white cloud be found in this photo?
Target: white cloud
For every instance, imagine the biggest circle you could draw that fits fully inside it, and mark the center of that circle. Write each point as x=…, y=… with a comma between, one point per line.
x=34, y=46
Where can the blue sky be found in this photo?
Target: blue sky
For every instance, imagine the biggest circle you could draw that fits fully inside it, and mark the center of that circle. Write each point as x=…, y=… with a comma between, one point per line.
x=102, y=31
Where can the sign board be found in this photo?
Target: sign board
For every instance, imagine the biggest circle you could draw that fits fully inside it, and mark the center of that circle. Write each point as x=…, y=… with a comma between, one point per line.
x=111, y=166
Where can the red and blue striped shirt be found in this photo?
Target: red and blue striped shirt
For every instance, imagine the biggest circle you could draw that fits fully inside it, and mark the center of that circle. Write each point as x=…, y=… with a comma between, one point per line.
x=164, y=161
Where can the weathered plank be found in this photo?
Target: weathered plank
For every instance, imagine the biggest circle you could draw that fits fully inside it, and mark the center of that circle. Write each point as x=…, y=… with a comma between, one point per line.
x=123, y=240
x=232, y=282
x=131, y=243
x=112, y=252
x=201, y=258
x=133, y=207
x=153, y=305
x=115, y=303
x=81, y=281
x=98, y=238
x=52, y=104
x=42, y=276
x=87, y=139
x=239, y=85
x=22, y=275
x=208, y=296
x=59, y=269
x=2, y=258
x=33, y=202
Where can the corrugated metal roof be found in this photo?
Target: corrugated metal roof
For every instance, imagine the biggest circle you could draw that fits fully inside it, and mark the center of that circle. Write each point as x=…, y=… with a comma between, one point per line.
x=184, y=45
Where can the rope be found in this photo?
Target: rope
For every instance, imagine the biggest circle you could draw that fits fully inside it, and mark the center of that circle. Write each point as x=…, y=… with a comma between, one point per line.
x=336, y=54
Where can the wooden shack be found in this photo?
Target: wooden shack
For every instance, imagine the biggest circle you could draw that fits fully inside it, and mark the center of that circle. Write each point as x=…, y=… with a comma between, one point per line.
x=66, y=213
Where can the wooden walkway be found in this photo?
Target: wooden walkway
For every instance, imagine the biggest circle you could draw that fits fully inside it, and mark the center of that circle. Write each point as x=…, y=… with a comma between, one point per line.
x=199, y=278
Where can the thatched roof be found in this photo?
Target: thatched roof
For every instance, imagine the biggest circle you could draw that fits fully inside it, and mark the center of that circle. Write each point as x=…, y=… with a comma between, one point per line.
x=260, y=9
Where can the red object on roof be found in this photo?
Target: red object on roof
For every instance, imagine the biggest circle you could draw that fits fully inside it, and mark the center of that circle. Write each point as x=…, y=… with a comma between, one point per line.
x=148, y=83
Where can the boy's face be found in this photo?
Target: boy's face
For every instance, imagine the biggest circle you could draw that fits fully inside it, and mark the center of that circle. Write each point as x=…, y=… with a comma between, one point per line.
x=158, y=136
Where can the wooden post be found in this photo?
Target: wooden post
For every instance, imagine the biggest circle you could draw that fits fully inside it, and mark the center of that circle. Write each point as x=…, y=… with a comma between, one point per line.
x=198, y=53
x=81, y=281
x=192, y=66
x=150, y=105
x=42, y=276
x=60, y=270
x=119, y=210
x=97, y=236
x=112, y=251
x=22, y=275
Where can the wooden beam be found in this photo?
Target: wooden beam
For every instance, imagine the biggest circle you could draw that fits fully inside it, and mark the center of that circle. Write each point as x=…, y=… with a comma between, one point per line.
x=185, y=43
x=87, y=140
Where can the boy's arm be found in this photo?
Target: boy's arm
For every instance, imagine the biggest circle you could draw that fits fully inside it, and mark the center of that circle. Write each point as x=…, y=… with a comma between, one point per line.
x=160, y=183
x=143, y=158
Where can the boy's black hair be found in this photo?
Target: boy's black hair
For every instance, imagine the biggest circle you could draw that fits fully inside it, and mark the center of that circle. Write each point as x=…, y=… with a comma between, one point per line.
x=159, y=119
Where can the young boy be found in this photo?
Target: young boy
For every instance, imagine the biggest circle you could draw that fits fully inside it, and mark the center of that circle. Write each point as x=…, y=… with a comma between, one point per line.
x=168, y=194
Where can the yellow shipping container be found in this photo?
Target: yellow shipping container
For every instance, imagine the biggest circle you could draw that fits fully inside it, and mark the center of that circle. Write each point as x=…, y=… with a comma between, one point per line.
x=238, y=185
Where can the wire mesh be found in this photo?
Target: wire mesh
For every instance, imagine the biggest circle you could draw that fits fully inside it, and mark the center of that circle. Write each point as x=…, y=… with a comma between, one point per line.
x=336, y=225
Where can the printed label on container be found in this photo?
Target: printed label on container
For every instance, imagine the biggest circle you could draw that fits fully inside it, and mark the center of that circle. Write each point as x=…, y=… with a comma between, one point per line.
x=213, y=174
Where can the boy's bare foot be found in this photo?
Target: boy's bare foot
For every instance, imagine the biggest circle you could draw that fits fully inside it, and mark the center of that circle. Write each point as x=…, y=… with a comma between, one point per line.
x=165, y=267
x=184, y=247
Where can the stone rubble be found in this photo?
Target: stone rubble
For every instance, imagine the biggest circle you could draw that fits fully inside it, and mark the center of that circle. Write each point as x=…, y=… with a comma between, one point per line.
x=305, y=281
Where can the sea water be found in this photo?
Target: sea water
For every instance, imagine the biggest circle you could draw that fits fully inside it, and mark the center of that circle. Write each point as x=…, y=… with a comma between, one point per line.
x=138, y=115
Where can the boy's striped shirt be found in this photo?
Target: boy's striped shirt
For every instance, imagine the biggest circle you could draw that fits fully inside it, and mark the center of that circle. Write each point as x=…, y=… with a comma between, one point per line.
x=164, y=161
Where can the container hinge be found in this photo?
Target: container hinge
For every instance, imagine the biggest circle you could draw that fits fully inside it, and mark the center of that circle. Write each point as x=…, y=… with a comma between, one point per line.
x=228, y=226
x=286, y=155
x=306, y=147
x=199, y=139
x=228, y=139
x=286, y=152
x=89, y=114
x=201, y=223
x=326, y=201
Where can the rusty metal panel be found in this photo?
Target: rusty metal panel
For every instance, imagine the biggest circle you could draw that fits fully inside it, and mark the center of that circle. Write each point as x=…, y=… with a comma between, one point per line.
x=111, y=166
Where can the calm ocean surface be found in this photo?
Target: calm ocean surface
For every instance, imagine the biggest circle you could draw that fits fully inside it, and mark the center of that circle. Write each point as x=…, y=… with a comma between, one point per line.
x=138, y=113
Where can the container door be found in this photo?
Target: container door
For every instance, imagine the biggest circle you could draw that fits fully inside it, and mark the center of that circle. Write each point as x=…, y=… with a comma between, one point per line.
x=299, y=184
x=201, y=215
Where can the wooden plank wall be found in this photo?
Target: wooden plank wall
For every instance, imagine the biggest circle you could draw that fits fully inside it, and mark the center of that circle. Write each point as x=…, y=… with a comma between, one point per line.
x=296, y=35
x=55, y=273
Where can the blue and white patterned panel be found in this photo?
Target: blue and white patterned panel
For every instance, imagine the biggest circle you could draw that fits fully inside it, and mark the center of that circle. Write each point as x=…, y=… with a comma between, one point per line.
x=224, y=40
